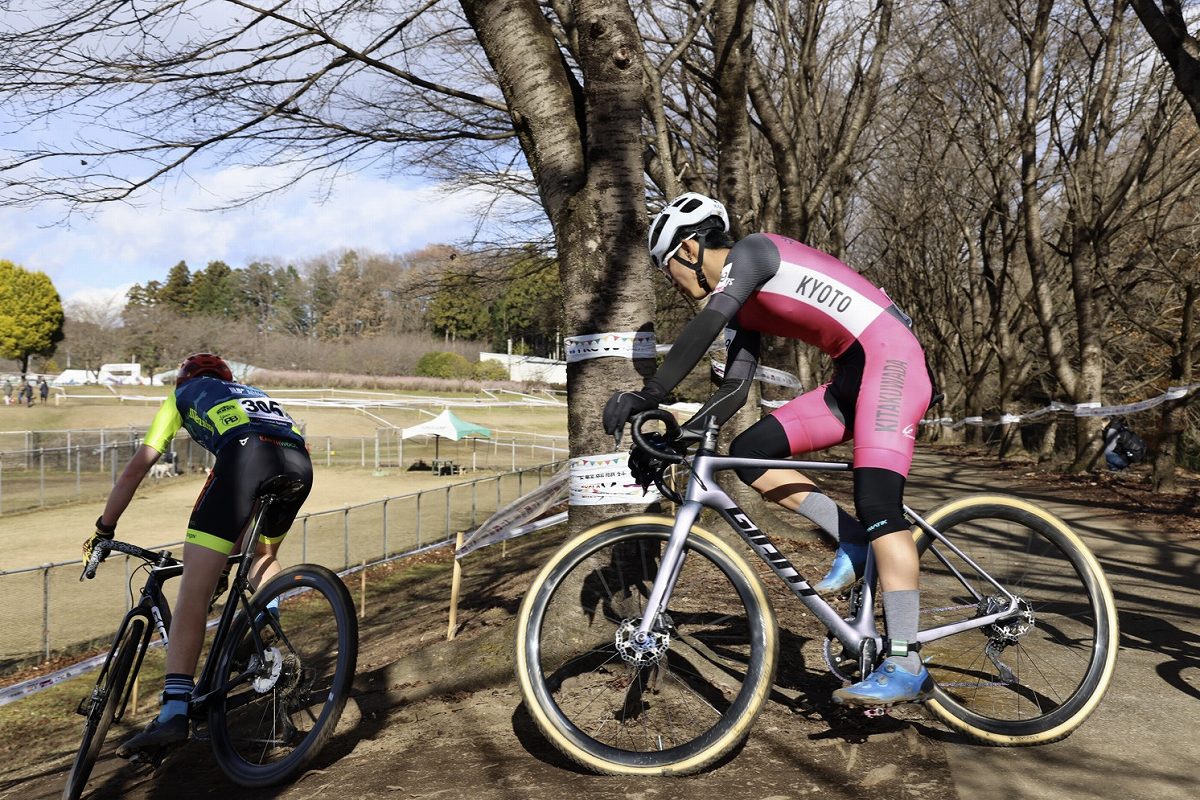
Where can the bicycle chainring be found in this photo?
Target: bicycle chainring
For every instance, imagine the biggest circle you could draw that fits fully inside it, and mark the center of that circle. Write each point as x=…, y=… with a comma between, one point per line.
x=843, y=665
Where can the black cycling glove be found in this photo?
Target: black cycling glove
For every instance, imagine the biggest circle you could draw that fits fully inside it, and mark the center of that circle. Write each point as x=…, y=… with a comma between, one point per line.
x=623, y=405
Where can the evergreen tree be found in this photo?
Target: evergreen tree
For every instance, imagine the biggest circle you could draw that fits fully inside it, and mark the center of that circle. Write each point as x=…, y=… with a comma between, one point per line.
x=460, y=310
x=31, y=314
x=176, y=293
x=214, y=291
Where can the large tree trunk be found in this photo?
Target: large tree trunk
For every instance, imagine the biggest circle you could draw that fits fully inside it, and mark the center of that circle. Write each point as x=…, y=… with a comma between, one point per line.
x=584, y=147
x=732, y=29
x=1173, y=418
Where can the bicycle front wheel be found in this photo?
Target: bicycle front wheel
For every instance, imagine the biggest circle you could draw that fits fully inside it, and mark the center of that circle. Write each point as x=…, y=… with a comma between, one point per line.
x=673, y=706
x=1034, y=676
x=100, y=709
x=284, y=698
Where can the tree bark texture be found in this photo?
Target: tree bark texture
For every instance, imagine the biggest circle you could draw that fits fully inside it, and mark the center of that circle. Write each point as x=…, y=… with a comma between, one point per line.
x=583, y=143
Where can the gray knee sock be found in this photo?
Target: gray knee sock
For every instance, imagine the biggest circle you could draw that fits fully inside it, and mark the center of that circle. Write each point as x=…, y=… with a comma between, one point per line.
x=903, y=613
x=829, y=517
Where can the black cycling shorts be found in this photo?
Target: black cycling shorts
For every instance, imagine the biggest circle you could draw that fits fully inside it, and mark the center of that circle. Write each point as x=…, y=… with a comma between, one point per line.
x=227, y=499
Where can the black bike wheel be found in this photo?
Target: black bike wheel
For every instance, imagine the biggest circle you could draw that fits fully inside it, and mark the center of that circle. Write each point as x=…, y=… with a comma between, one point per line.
x=674, y=709
x=101, y=707
x=1035, y=676
x=284, y=702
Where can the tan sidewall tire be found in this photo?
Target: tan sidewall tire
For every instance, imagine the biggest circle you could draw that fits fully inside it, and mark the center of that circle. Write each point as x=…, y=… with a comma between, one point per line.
x=1063, y=729
x=699, y=760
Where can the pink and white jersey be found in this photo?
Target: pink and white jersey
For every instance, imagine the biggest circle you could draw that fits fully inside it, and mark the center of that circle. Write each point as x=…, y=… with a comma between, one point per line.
x=785, y=288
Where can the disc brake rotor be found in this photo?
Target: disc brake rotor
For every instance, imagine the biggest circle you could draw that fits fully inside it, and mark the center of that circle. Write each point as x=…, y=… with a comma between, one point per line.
x=271, y=669
x=640, y=654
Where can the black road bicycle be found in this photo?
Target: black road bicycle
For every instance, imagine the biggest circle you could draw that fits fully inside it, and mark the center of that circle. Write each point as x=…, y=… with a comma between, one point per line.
x=273, y=685
x=647, y=645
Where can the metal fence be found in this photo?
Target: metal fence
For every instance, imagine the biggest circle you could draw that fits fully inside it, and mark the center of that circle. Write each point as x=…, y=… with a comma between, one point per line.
x=50, y=613
x=43, y=468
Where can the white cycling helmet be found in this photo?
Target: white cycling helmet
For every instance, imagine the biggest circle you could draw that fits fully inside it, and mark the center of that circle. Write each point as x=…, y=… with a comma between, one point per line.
x=676, y=221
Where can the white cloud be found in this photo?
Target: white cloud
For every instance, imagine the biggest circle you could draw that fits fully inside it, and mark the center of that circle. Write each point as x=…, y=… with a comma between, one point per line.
x=123, y=244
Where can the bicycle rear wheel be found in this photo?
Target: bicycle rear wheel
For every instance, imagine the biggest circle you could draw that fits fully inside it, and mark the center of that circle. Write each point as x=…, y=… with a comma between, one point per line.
x=672, y=708
x=100, y=709
x=1036, y=675
x=284, y=700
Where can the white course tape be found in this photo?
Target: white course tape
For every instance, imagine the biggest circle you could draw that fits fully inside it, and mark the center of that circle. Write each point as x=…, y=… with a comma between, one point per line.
x=623, y=344
x=603, y=480
x=504, y=523
x=765, y=374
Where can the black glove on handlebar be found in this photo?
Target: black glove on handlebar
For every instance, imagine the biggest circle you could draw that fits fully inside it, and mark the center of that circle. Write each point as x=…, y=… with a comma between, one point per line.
x=623, y=405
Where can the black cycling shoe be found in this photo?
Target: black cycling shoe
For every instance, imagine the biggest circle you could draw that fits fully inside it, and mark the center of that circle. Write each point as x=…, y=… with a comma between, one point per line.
x=156, y=736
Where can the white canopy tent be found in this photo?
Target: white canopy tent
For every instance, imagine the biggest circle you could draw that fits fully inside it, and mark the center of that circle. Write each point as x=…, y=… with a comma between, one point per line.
x=446, y=425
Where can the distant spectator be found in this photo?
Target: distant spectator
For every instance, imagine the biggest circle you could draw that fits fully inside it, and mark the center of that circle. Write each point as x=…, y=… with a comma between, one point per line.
x=43, y=390
x=26, y=393
x=1122, y=446
x=1115, y=460
x=8, y=392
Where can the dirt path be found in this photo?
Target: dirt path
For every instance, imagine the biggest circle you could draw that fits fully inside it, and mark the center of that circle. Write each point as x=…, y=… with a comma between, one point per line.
x=442, y=719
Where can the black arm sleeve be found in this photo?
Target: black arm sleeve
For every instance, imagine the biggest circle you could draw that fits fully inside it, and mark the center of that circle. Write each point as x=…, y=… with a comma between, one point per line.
x=687, y=351
x=731, y=394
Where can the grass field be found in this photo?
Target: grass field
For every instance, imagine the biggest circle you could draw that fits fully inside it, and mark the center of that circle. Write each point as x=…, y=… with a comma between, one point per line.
x=159, y=511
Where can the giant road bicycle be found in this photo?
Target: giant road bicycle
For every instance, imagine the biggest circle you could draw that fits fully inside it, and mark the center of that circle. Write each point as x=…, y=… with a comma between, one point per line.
x=647, y=645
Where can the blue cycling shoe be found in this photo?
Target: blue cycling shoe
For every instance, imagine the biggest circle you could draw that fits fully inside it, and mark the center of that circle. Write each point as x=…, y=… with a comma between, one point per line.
x=847, y=567
x=891, y=683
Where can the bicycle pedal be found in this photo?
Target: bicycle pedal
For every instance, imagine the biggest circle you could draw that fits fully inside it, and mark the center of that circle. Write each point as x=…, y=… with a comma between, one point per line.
x=148, y=759
x=875, y=711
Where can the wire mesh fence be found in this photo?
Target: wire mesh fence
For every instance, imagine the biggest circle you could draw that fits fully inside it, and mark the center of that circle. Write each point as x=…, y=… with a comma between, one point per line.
x=52, y=614
x=45, y=468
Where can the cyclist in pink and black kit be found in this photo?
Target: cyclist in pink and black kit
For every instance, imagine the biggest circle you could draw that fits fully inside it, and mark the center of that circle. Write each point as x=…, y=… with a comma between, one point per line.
x=770, y=284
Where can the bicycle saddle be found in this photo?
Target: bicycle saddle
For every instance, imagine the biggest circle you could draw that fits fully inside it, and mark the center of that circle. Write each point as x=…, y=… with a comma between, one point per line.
x=282, y=487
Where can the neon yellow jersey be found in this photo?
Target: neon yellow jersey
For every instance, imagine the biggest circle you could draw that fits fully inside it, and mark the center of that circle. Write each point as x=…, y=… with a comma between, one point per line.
x=166, y=424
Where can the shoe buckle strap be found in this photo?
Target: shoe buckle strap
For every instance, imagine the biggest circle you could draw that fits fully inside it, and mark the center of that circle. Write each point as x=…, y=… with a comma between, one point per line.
x=901, y=648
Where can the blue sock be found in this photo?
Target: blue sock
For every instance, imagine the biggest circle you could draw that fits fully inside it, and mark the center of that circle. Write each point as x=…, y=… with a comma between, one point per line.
x=272, y=609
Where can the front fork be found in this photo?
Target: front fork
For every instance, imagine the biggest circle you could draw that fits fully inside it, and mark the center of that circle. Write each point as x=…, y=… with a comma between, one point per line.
x=668, y=572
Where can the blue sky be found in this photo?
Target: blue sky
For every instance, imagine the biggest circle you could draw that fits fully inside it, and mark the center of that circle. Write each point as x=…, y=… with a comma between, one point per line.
x=122, y=244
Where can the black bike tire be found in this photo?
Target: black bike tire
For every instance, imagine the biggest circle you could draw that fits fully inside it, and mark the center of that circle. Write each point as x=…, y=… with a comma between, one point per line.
x=1059, y=723
x=602, y=758
x=98, y=721
x=317, y=578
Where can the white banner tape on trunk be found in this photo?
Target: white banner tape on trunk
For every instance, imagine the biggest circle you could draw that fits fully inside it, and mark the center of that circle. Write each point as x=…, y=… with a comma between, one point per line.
x=623, y=344
x=603, y=480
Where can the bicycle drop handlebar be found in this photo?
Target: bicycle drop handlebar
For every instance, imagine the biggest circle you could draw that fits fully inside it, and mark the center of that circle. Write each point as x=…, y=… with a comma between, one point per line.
x=104, y=547
x=673, y=430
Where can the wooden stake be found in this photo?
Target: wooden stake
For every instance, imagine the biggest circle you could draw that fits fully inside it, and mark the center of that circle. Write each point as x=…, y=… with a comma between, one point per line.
x=362, y=591
x=455, y=583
